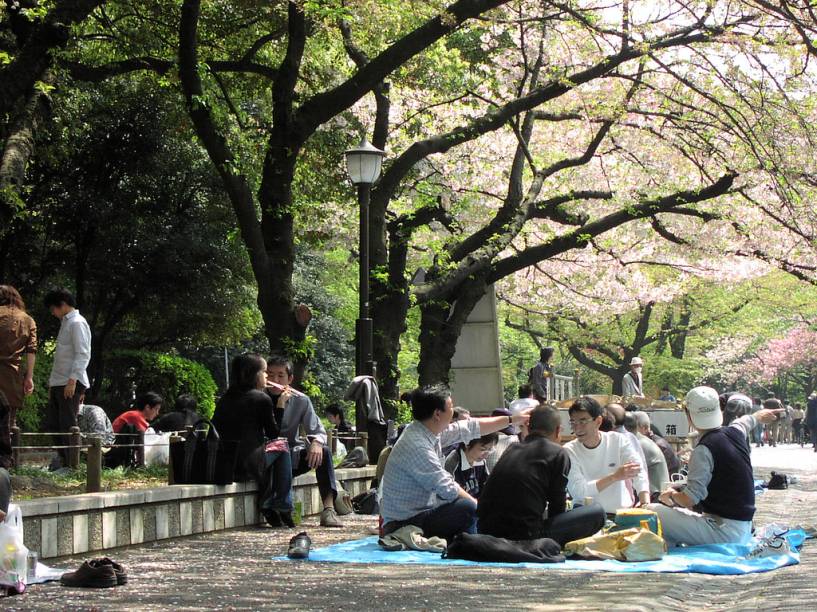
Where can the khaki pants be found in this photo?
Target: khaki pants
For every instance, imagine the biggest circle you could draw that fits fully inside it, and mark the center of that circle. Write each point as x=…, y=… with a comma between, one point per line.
x=682, y=526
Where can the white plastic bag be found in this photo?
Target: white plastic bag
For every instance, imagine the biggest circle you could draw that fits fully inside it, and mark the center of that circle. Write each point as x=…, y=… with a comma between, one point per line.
x=13, y=553
x=157, y=448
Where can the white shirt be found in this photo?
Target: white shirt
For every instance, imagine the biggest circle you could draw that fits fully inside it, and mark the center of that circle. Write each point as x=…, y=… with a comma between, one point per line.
x=73, y=351
x=589, y=465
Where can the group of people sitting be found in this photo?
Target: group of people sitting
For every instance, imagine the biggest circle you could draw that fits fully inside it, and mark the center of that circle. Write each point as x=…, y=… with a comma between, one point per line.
x=613, y=462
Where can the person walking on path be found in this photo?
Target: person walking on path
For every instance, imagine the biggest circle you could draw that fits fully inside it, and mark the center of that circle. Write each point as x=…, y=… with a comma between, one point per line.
x=68, y=377
x=18, y=338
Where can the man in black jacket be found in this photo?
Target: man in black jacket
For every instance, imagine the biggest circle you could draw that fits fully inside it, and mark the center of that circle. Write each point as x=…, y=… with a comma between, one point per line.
x=525, y=495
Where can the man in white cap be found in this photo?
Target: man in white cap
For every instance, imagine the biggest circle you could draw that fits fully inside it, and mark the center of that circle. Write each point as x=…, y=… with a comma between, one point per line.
x=717, y=502
x=632, y=384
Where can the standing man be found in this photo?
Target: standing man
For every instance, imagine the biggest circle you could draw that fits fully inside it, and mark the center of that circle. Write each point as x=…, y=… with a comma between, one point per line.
x=18, y=338
x=68, y=377
x=602, y=462
x=293, y=409
x=632, y=384
x=541, y=373
x=773, y=428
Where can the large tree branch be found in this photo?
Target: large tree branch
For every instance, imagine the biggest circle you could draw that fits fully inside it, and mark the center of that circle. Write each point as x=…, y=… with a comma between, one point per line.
x=35, y=56
x=323, y=106
x=101, y=72
x=582, y=235
x=556, y=87
x=214, y=142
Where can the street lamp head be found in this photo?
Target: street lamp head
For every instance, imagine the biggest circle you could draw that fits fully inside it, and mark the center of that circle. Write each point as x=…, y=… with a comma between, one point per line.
x=363, y=163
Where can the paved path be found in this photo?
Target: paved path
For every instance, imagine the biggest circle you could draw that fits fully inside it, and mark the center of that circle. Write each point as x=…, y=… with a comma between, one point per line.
x=233, y=570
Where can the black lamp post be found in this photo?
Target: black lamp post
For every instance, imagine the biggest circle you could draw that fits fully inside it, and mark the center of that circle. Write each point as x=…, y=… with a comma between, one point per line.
x=363, y=164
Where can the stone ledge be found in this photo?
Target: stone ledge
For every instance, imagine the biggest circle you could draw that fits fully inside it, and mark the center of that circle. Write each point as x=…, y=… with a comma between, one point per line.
x=75, y=524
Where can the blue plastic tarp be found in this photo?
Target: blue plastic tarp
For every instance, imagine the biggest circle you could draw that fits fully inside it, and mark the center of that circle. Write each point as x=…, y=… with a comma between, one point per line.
x=722, y=559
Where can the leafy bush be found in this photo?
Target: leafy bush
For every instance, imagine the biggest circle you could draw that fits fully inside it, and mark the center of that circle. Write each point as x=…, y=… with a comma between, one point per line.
x=32, y=413
x=127, y=372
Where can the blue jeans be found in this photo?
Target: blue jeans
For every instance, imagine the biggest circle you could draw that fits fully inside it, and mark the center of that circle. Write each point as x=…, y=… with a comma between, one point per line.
x=444, y=521
x=278, y=479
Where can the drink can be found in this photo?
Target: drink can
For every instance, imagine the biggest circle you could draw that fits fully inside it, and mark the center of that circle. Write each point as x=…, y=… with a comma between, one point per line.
x=588, y=501
x=31, y=564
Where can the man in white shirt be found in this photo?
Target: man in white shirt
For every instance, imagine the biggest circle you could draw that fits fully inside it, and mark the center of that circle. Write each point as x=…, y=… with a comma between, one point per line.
x=68, y=377
x=601, y=462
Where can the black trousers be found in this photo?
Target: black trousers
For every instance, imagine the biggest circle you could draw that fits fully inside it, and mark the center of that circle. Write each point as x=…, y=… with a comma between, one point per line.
x=572, y=525
x=324, y=474
x=61, y=415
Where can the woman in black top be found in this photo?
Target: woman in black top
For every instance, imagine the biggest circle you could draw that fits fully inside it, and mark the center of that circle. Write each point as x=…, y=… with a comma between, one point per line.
x=245, y=414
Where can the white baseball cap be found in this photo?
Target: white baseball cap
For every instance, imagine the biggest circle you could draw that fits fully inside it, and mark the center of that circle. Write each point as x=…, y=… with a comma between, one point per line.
x=704, y=408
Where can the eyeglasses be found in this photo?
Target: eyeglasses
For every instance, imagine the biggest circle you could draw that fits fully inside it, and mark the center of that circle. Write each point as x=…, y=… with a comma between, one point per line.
x=580, y=422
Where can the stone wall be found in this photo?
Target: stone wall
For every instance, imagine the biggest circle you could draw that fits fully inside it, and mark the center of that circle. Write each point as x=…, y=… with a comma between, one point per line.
x=76, y=524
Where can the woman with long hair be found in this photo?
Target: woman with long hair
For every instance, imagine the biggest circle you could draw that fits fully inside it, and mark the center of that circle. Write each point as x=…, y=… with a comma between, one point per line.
x=18, y=338
x=245, y=414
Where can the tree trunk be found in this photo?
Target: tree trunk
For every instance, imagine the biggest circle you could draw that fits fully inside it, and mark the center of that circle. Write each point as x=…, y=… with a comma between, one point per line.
x=441, y=323
x=678, y=340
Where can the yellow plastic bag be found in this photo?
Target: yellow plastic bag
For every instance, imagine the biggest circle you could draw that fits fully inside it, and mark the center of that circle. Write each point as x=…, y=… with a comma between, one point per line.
x=626, y=545
x=644, y=546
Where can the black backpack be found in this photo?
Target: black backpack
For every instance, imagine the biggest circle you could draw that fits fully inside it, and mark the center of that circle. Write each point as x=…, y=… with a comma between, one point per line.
x=778, y=481
x=366, y=502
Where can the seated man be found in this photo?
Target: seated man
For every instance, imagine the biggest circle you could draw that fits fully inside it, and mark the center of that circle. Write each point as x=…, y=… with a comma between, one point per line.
x=656, y=464
x=293, y=409
x=131, y=422
x=147, y=408
x=466, y=463
x=508, y=436
x=416, y=488
x=529, y=483
x=720, y=482
x=93, y=420
x=185, y=412
x=602, y=464
x=645, y=429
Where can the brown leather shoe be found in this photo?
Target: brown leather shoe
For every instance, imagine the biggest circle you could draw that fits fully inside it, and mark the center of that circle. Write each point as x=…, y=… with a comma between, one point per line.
x=90, y=576
x=118, y=570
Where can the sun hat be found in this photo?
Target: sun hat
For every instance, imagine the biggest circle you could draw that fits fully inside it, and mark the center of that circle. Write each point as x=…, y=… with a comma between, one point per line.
x=636, y=361
x=704, y=408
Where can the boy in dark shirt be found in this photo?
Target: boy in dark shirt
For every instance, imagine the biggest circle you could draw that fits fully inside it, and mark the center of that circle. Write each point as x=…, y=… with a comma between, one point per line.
x=525, y=495
x=467, y=463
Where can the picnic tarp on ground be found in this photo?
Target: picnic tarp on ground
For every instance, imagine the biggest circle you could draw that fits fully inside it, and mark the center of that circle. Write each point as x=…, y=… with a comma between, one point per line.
x=722, y=559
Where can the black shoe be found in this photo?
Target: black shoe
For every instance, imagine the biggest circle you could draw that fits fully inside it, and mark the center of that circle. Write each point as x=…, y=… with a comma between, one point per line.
x=299, y=546
x=118, y=570
x=273, y=518
x=90, y=576
x=286, y=518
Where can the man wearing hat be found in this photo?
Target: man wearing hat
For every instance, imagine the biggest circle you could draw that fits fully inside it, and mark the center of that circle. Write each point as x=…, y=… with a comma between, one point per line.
x=632, y=384
x=717, y=502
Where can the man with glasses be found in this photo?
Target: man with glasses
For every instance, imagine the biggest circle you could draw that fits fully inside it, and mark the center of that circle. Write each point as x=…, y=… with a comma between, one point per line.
x=601, y=463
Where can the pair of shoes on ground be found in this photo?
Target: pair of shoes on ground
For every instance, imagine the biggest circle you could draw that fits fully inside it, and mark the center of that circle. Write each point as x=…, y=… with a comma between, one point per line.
x=96, y=574
x=299, y=546
x=279, y=518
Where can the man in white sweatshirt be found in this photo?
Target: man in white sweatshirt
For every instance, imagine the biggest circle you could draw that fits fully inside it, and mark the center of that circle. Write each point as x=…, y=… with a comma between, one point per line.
x=602, y=463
